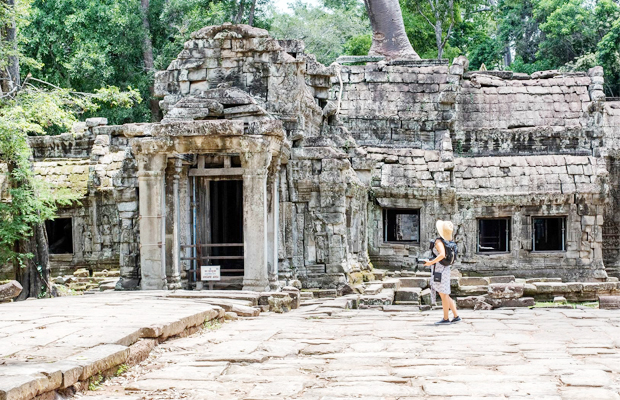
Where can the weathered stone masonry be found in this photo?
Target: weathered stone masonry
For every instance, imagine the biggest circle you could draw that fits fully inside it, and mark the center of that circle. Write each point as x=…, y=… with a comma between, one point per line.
x=325, y=171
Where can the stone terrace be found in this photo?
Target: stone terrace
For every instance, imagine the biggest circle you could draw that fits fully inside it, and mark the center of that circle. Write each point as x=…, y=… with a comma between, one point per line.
x=371, y=355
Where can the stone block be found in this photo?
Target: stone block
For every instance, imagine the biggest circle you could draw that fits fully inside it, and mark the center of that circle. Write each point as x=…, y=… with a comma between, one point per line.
x=294, y=293
x=550, y=287
x=472, y=290
x=100, y=358
x=502, y=279
x=520, y=302
x=279, y=302
x=609, y=302
x=425, y=296
x=413, y=282
x=505, y=290
x=473, y=281
x=10, y=290
x=408, y=294
x=474, y=302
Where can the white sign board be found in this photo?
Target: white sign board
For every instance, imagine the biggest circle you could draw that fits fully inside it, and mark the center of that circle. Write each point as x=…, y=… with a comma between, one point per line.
x=209, y=272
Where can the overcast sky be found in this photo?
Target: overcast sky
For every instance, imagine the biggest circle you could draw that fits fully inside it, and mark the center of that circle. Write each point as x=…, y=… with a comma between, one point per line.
x=282, y=5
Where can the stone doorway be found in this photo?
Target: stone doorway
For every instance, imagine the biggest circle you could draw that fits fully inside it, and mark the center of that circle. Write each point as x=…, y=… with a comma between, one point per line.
x=219, y=229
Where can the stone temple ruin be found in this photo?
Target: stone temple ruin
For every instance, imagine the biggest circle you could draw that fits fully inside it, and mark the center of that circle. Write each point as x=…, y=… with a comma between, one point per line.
x=276, y=167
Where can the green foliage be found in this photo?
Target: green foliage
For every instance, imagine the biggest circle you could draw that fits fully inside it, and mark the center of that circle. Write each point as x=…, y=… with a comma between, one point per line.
x=95, y=382
x=608, y=55
x=122, y=369
x=358, y=45
x=36, y=111
x=89, y=44
x=325, y=31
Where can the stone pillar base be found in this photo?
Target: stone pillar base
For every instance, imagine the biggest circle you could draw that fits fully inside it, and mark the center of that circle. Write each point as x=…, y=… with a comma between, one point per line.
x=256, y=285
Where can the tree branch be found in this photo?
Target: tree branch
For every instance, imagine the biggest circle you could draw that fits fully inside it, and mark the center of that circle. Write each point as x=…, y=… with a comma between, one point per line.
x=422, y=14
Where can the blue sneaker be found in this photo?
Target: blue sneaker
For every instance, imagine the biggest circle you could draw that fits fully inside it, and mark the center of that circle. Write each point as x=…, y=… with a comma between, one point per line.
x=455, y=320
x=443, y=322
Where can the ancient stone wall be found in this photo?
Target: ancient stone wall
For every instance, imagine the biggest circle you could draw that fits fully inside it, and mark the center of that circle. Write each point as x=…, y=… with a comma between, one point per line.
x=409, y=105
x=338, y=147
x=502, y=113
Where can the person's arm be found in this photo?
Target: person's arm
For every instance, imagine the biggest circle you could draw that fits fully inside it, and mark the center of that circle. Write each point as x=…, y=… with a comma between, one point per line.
x=442, y=254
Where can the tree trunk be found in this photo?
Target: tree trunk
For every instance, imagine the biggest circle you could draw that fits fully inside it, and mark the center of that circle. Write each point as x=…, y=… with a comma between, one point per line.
x=388, y=31
x=438, y=38
x=252, y=10
x=11, y=75
x=149, y=64
x=240, y=12
x=34, y=276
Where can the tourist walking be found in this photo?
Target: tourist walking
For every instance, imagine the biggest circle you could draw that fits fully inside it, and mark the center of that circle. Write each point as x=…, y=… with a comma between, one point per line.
x=444, y=250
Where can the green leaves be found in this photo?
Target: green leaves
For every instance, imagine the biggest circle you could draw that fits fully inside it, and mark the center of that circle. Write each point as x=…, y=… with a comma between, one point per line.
x=325, y=31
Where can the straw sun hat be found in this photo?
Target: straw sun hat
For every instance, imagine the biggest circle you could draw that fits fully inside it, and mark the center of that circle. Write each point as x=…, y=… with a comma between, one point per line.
x=445, y=229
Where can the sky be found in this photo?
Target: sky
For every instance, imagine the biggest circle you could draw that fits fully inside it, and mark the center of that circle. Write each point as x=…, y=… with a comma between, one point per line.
x=282, y=5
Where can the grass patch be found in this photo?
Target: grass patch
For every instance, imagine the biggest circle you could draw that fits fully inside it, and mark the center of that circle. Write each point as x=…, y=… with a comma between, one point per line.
x=122, y=369
x=213, y=325
x=95, y=382
x=570, y=304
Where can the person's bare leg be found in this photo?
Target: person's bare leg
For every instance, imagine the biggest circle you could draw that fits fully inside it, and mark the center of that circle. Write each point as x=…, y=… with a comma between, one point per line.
x=445, y=304
x=453, y=307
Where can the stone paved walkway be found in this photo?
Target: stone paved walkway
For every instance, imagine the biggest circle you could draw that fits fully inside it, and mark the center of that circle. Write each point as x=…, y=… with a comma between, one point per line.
x=370, y=354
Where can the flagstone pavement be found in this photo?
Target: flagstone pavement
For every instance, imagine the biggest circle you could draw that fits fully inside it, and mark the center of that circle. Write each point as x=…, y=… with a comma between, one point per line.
x=540, y=354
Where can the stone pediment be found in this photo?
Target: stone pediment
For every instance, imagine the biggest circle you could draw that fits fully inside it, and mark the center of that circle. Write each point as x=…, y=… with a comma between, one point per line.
x=228, y=30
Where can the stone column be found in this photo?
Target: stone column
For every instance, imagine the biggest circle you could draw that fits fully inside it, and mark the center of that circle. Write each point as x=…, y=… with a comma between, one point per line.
x=151, y=169
x=255, y=232
x=175, y=279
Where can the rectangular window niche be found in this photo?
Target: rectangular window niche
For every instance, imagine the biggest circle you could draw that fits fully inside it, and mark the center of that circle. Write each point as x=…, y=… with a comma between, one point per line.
x=494, y=235
x=549, y=234
x=401, y=225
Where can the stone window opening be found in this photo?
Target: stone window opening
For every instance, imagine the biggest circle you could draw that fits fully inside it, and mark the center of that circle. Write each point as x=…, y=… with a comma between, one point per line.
x=494, y=235
x=549, y=234
x=60, y=235
x=401, y=225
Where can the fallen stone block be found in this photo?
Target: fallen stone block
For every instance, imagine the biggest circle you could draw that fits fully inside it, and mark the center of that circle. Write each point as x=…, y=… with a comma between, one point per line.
x=609, y=302
x=373, y=288
x=245, y=311
x=81, y=273
x=534, y=280
x=502, y=279
x=469, y=301
x=505, y=290
x=409, y=294
x=520, y=302
x=529, y=289
x=391, y=284
x=278, y=303
x=293, y=292
x=425, y=296
x=559, y=300
x=231, y=316
x=550, y=287
x=414, y=282
x=473, y=281
x=10, y=290
x=598, y=286
x=472, y=290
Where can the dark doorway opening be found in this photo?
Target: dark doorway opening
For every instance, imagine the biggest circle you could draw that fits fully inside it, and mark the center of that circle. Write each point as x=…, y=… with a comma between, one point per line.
x=227, y=225
x=60, y=235
x=219, y=225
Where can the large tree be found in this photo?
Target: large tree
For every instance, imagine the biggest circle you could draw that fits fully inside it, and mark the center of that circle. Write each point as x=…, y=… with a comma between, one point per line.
x=389, y=38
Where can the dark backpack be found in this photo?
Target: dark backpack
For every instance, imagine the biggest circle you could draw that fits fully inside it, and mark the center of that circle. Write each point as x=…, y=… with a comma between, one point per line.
x=451, y=251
